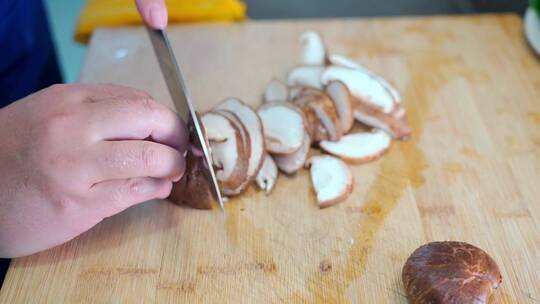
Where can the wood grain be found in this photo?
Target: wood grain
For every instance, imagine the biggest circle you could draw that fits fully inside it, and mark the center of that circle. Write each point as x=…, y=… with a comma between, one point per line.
x=471, y=172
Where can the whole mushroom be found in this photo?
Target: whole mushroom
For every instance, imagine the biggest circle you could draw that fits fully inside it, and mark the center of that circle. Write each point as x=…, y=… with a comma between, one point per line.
x=450, y=273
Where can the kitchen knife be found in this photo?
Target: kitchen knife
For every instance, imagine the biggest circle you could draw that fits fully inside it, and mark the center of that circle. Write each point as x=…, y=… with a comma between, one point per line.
x=180, y=97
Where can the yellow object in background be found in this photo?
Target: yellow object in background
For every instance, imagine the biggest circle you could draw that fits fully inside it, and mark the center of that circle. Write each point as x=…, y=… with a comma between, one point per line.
x=112, y=13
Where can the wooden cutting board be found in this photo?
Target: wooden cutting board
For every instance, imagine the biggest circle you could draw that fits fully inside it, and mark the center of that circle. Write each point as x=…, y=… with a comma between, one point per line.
x=471, y=172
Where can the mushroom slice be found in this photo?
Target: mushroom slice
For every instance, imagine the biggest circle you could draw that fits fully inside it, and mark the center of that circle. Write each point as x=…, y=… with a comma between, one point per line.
x=283, y=127
x=343, y=61
x=313, y=50
x=306, y=75
x=359, y=147
x=340, y=95
x=228, y=157
x=326, y=112
x=213, y=128
x=362, y=85
x=331, y=179
x=348, y=63
x=320, y=133
x=314, y=127
x=324, y=109
x=244, y=133
x=253, y=125
x=275, y=91
x=245, y=146
x=290, y=163
x=295, y=91
x=450, y=272
x=373, y=104
x=394, y=123
x=267, y=175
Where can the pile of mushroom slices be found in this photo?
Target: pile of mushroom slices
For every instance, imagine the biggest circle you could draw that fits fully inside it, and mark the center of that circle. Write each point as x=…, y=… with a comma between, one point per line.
x=316, y=107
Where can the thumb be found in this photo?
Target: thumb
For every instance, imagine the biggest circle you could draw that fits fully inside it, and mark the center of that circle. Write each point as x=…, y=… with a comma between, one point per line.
x=153, y=12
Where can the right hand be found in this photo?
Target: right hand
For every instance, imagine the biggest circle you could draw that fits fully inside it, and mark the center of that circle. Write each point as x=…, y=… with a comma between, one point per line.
x=72, y=155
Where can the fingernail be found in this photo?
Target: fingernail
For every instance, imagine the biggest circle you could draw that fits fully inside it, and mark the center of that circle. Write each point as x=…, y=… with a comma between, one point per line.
x=158, y=16
x=177, y=178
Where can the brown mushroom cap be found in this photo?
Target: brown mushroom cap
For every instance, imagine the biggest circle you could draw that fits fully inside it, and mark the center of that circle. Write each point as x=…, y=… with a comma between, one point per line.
x=193, y=189
x=450, y=272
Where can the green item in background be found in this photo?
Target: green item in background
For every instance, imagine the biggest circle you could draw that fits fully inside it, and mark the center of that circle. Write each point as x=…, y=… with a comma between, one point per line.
x=535, y=4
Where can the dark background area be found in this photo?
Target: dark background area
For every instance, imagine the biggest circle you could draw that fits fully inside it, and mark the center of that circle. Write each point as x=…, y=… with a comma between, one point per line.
x=275, y=9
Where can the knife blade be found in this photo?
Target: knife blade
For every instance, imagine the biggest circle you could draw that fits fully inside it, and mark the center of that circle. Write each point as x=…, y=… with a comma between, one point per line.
x=177, y=89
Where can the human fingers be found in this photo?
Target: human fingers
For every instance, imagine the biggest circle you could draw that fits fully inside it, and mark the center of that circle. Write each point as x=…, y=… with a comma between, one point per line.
x=126, y=118
x=135, y=158
x=153, y=12
x=113, y=196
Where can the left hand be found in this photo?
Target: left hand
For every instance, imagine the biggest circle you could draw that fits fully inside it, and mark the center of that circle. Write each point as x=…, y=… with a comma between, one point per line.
x=74, y=154
x=153, y=12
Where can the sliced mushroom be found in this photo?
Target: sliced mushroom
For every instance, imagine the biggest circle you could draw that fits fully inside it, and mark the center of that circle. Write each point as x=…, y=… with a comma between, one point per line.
x=313, y=50
x=267, y=175
x=348, y=63
x=362, y=85
x=228, y=157
x=394, y=123
x=244, y=133
x=359, y=147
x=290, y=163
x=214, y=132
x=298, y=91
x=324, y=109
x=373, y=103
x=283, y=125
x=275, y=91
x=295, y=91
x=252, y=123
x=213, y=125
x=246, y=146
x=320, y=132
x=307, y=75
x=343, y=61
x=450, y=272
x=314, y=127
x=331, y=178
x=340, y=95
